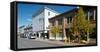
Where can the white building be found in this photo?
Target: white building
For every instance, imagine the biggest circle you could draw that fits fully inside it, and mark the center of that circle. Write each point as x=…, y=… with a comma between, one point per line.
x=21, y=30
x=28, y=30
x=41, y=22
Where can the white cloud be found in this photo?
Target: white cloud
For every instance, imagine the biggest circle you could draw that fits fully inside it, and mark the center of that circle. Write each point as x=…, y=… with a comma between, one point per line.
x=29, y=20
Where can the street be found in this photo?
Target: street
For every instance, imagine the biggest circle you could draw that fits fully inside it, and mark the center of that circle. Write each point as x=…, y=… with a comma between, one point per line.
x=32, y=43
x=37, y=43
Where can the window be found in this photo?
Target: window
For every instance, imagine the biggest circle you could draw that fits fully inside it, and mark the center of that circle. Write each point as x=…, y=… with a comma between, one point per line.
x=59, y=21
x=48, y=13
x=53, y=23
x=69, y=20
x=91, y=16
x=41, y=19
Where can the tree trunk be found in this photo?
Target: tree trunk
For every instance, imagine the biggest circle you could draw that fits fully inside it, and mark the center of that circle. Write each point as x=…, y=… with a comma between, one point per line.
x=79, y=38
x=65, y=39
x=69, y=39
x=55, y=36
x=88, y=39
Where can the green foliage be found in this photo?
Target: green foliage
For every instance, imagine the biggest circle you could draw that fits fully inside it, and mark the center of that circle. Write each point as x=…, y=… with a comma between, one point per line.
x=54, y=30
x=80, y=24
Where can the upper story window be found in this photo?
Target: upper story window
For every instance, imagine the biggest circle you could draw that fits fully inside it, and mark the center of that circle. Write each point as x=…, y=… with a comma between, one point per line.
x=41, y=19
x=59, y=21
x=53, y=23
x=89, y=15
x=48, y=13
x=69, y=20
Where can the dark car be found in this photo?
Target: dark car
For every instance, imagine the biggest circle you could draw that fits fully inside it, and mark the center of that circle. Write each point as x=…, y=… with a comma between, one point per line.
x=23, y=36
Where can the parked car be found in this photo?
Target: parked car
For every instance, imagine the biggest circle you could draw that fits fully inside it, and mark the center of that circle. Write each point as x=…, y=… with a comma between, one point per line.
x=31, y=36
x=22, y=36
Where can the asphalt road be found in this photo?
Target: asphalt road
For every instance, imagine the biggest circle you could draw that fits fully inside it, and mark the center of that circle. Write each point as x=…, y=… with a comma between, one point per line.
x=32, y=43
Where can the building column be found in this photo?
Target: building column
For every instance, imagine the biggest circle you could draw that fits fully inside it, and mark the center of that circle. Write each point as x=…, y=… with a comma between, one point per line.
x=39, y=35
x=50, y=30
x=56, y=24
x=64, y=31
x=94, y=13
x=88, y=15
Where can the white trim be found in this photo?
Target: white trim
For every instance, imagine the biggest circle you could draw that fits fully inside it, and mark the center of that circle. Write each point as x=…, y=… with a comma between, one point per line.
x=94, y=14
x=51, y=10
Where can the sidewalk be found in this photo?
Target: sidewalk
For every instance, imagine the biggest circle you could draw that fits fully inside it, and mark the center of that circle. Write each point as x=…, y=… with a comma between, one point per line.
x=58, y=42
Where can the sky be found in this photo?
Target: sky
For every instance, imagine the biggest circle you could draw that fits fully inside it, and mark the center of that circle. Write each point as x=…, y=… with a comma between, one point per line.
x=25, y=11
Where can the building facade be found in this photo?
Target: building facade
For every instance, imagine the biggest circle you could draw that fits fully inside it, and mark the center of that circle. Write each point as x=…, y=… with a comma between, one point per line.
x=28, y=30
x=25, y=30
x=64, y=21
x=21, y=30
x=40, y=21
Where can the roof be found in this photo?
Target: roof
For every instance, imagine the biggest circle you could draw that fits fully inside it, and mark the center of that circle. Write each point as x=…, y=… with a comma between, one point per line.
x=51, y=10
x=42, y=9
x=84, y=8
x=64, y=13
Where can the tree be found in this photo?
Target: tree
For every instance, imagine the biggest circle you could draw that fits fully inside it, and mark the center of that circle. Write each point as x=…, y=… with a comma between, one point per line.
x=69, y=34
x=55, y=30
x=88, y=29
x=80, y=24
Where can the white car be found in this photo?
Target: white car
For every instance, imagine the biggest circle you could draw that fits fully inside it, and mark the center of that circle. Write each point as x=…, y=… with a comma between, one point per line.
x=32, y=36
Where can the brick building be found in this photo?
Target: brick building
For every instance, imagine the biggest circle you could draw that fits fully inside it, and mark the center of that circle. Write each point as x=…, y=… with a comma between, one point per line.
x=65, y=19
